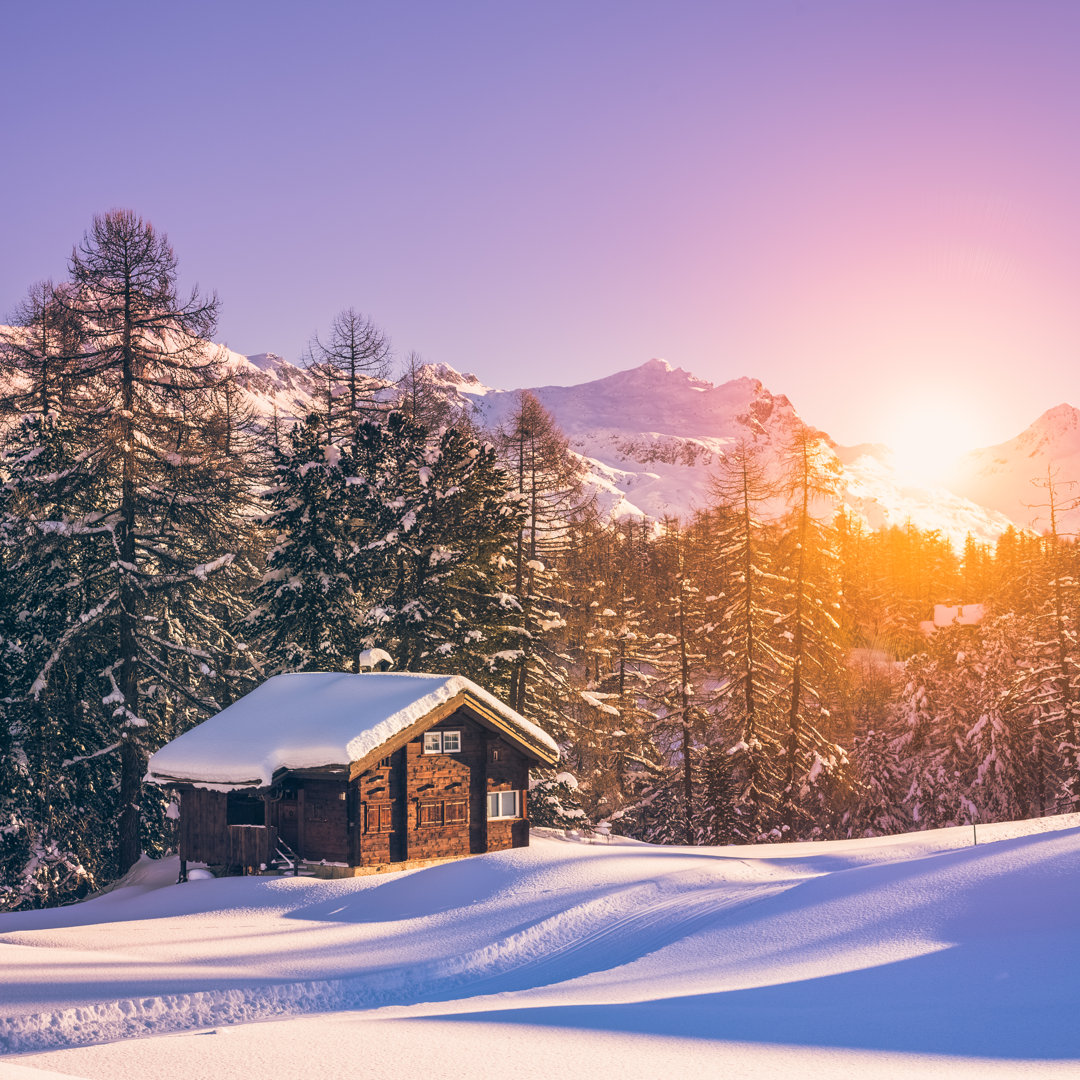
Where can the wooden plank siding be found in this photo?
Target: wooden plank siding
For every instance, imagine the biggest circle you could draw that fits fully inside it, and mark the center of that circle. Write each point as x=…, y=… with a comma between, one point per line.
x=251, y=845
x=507, y=770
x=438, y=802
x=405, y=805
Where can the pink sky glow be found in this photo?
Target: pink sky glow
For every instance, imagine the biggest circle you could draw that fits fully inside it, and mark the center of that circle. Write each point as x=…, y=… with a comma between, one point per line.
x=871, y=207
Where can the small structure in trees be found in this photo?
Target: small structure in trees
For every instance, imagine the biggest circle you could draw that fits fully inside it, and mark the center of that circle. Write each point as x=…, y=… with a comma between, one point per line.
x=353, y=771
x=953, y=615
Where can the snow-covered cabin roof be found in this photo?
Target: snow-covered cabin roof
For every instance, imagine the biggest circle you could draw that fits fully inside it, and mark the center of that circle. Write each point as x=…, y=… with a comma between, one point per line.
x=953, y=615
x=308, y=720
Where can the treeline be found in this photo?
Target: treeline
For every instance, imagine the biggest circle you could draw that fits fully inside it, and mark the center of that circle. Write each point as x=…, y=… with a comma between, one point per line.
x=730, y=679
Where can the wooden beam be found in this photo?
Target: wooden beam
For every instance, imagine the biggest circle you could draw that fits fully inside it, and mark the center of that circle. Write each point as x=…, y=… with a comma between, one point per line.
x=483, y=714
x=447, y=708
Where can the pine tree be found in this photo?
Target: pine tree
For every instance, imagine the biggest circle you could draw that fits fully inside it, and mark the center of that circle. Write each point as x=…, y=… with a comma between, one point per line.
x=1000, y=737
x=434, y=527
x=55, y=836
x=876, y=806
x=305, y=614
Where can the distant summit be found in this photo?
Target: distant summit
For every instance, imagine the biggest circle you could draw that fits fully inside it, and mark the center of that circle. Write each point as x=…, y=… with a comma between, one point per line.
x=1006, y=477
x=653, y=436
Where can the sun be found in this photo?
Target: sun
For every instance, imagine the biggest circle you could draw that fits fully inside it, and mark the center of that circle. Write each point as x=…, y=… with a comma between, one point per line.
x=927, y=437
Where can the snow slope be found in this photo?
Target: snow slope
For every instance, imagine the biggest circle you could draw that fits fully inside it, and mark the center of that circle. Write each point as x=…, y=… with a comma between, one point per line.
x=918, y=955
x=1006, y=477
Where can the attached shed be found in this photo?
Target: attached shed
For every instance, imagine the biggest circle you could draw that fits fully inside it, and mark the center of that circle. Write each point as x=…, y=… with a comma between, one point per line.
x=354, y=770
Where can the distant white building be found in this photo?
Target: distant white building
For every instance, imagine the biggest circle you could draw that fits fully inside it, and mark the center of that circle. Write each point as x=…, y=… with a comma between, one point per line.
x=953, y=615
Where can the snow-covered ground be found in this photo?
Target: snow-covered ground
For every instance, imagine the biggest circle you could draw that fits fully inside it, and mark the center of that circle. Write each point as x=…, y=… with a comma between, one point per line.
x=918, y=955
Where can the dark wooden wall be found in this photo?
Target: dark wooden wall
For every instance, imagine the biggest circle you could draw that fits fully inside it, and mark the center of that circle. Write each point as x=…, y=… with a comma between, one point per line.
x=324, y=820
x=428, y=806
x=204, y=835
x=507, y=770
x=415, y=806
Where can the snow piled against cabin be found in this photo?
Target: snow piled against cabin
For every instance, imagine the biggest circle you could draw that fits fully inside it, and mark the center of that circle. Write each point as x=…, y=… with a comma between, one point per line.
x=307, y=720
x=910, y=956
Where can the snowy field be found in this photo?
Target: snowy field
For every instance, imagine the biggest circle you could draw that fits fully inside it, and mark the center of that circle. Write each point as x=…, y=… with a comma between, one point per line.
x=909, y=956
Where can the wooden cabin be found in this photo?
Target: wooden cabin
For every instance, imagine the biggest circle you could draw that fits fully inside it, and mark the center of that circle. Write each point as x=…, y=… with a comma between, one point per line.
x=353, y=771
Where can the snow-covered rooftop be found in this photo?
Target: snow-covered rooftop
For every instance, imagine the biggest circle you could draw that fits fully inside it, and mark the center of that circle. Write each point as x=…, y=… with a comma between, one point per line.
x=307, y=720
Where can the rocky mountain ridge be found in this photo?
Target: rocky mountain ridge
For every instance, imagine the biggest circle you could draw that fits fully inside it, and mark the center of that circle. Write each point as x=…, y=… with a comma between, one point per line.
x=652, y=437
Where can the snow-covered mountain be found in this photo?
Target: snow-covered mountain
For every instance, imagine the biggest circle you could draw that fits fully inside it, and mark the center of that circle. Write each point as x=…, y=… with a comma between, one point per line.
x=1011, y=477
x=653, y=436
x=272, y=383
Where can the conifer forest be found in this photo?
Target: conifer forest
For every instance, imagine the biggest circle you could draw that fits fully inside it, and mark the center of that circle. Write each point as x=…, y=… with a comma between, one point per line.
x=743, y=676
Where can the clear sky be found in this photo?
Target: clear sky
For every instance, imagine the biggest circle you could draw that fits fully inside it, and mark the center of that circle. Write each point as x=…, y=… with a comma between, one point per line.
x=870, y=206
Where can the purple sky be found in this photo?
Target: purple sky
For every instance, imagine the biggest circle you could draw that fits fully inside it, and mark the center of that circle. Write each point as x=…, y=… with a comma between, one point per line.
x=870, y=206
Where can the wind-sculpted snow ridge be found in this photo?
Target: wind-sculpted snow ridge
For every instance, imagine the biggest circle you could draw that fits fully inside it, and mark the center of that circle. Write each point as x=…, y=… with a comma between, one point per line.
x=910, y=956
x=595, y=935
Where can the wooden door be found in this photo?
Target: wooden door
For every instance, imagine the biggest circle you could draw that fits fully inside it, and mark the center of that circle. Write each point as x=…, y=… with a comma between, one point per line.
x=400, y=807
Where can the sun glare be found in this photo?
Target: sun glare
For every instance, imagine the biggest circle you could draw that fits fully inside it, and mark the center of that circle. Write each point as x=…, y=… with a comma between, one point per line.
x=927, y=438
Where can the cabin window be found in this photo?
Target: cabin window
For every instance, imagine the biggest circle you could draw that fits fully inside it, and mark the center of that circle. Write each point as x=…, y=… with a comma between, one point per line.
x=378, y=817
x=503, y=804
x=456, y=812
x=442, y=742
x=385, y=763
x=430, y=813
x=242, y=808
x=494, y=753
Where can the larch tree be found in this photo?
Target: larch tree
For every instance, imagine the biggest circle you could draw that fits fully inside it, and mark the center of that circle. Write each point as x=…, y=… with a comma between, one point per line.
x=1054, y=596
x=352, y=362
x=547, y=479
x=751, y=666
x=147, y=379
x=813, y=762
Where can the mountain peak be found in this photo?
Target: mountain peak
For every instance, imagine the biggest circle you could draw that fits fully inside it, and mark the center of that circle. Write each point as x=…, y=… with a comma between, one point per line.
x=655, y=364
x=445, y=375
x=1060, y=417
x=266, y=361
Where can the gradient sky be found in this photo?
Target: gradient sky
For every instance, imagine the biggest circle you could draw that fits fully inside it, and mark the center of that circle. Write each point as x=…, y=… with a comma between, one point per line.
x=870, y=206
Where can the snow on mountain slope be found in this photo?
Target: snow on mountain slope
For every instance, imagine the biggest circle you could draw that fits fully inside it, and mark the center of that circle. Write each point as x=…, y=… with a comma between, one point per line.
x=1006, y=477
x=907, y=956
x=653, y=436
x=879, y=494
x=272, y=383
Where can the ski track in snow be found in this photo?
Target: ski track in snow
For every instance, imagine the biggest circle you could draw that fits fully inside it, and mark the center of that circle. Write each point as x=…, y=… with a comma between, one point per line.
x=920, y=945
x=591, y=936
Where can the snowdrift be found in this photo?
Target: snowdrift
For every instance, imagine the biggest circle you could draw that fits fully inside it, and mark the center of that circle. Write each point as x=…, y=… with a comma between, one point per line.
x=902, y=953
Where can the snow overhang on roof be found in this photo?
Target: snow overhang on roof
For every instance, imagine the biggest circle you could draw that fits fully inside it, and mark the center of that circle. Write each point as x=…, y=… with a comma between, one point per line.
x=311, y=720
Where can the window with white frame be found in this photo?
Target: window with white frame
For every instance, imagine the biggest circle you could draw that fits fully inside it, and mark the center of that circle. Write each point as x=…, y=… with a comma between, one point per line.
x=442, y=742
x=503, y=804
